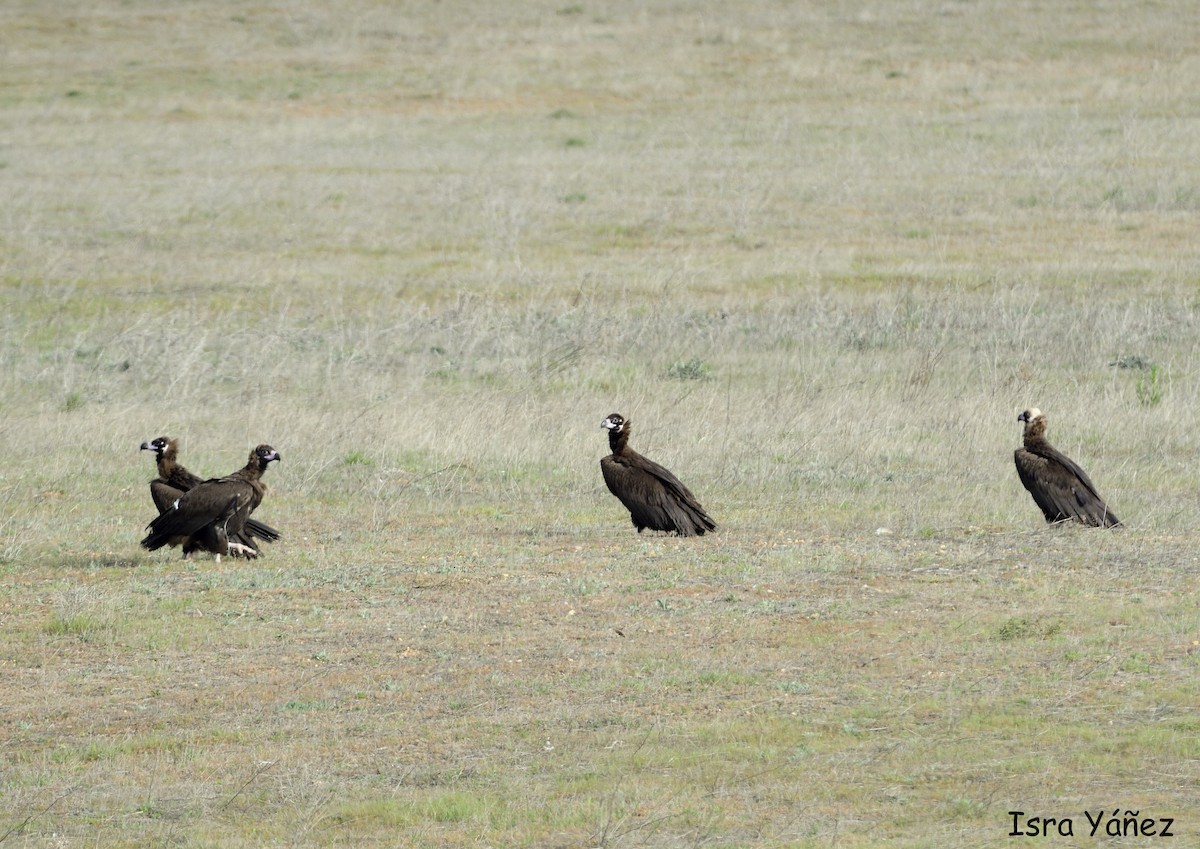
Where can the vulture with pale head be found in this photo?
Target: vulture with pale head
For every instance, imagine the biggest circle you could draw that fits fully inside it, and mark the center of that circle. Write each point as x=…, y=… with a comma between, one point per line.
x=654, y=497
x=1060, y=488
x=174, y=480
x=212, y=514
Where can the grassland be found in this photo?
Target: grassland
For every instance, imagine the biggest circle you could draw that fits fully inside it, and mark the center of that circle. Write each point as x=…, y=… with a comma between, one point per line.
x=820, y=254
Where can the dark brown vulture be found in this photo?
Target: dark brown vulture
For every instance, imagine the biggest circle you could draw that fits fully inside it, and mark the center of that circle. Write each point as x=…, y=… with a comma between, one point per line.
x=211, y=514
x=174, y=480
x=654, y=497
x=1061, y=489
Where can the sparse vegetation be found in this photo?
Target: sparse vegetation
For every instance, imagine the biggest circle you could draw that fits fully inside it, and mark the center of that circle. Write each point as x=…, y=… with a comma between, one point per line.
x=693, y=369
x=423, y=251
x=1150, y=387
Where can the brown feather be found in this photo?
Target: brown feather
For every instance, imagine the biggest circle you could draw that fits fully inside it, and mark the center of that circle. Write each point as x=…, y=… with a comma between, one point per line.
x=1060, y=488
x=174, y=480
x=654, y=497
x=211, y=513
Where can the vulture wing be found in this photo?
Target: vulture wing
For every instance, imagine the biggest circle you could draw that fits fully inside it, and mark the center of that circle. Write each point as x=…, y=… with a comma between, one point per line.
x=627, y=485
x=164, y=495
x=214, y=536
x=655, y=498
x=1061, y=488
x=679, y=502
x=223, y=503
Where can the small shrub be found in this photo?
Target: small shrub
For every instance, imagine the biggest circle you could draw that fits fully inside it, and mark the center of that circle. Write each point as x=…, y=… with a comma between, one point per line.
x=1015, y=628
x=1149, y=388
x=1021, y=627
x=693, y=369
x=309, y=704
x=81, y=625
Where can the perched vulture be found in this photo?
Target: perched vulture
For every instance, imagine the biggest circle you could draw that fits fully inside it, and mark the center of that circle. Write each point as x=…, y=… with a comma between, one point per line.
x=174, y=480
x=654, y=497
x=211, y=514
x=1061, y=489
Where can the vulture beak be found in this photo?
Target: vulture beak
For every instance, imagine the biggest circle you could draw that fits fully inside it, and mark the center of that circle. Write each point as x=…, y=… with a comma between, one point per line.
x=275, y=455
x=1023, y=417
x=148, y=446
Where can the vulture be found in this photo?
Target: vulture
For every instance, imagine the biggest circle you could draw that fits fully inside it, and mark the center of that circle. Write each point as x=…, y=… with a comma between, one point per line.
x=654, y=497
x=212, y=513
x=1061, y=489
x=174, y=480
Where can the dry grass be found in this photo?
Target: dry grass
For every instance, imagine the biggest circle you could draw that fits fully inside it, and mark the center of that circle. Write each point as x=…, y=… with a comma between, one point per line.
x=820, y=255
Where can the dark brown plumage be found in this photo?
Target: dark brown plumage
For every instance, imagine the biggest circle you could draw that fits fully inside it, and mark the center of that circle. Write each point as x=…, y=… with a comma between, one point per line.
x=654, y=497
x=1060, y=488
x=174, y=480
x=212, y=513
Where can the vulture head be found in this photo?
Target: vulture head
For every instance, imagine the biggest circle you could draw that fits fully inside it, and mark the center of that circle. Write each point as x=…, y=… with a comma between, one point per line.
x=160, y=446
x=615, y=423
x=263, y=455
x=1035, y=421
